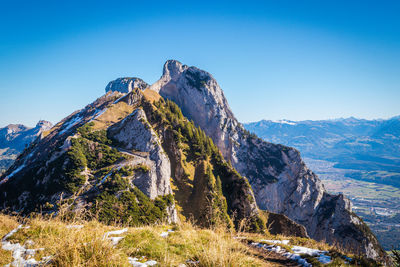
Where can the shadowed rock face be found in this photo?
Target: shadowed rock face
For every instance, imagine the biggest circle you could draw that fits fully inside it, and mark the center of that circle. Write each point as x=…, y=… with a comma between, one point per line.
x=279, y=224
x=281, y=181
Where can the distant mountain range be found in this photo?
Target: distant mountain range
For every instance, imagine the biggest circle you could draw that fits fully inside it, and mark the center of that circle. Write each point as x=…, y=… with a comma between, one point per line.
x=371, y=146
x=15, y=137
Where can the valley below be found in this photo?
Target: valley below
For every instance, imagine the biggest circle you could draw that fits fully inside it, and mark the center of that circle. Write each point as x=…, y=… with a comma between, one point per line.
x=377, y=204
x=357, y=157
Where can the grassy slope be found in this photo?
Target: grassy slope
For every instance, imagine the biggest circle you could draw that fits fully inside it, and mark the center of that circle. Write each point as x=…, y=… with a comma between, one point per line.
x=86, y=247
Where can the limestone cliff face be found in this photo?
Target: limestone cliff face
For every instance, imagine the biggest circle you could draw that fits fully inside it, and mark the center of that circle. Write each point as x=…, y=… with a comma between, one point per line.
x=126, y=85
x=281, y=181
x=135, y=133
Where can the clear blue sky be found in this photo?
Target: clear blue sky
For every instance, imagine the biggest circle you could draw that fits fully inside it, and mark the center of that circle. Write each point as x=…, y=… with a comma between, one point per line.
x=274, y=59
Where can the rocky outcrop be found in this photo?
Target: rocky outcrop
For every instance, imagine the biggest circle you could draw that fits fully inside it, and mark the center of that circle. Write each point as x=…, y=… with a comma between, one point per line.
x=207, y=108
x=279, y=224
x=126, y=85
x=135, y=133
x=281, y=181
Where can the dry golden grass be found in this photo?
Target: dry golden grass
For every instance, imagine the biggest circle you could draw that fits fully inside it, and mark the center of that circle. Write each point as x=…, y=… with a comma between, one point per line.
x=112, y=115
x=6, y=225
x=151, y=95
x=86, y=247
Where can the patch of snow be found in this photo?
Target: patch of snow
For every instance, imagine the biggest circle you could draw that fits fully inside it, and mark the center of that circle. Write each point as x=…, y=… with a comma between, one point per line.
x=324, y=259
x=5, y=179
x=98, y=113
x=284, y=122
x=284, y=242
x=297, y=251
x=308, y=251
x=283, y=252
x=16, y=171
x=136, y=263
x=116, y=101
x=21, y=255
x=115, y=239
x=70, y=123
x=116, y=232
x=150, y=263
x=165, y=234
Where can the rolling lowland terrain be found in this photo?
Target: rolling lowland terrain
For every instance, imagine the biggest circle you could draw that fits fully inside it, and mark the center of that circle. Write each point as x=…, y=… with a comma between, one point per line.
x=360, y=158
x=173, y=153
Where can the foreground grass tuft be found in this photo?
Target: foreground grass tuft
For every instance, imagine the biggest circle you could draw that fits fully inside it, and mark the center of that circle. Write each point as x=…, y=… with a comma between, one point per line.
x=86, y=246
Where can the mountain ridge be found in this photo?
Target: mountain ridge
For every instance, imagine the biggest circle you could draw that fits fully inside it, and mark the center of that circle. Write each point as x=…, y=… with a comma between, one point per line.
x=90, y=150
x=280, y=180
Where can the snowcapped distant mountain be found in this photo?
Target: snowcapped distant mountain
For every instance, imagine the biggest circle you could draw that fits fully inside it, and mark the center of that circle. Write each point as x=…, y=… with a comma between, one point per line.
x=370, y=145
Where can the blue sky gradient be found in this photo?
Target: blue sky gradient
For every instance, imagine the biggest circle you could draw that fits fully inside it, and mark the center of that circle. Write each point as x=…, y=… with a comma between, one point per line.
x=292, y=60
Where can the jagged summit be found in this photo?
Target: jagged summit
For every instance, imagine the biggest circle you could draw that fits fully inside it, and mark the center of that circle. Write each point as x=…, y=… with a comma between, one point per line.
x=281, y=181
x=130, y=158
x=173, y=67
x=126, y=85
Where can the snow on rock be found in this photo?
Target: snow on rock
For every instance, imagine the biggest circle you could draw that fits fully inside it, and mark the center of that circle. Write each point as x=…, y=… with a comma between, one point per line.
x=71, y=122
x=136, y=263
x=115, y=239
x=297, y=251
x=308, y=251
x=284, y=242
x=21, y=255
x=324, y=259
x=12, y=174
x=98, y=113
x=284, y=122
x=165, y=234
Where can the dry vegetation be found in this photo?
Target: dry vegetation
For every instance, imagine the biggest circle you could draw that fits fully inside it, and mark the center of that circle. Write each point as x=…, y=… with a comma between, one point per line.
x=6, y=225
x=113, y=114
x=86, y=246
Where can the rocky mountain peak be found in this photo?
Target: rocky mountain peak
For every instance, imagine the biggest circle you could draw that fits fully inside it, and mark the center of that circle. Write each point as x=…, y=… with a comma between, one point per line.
x=172, y=68
x=281, y=181
x=45, y=125
x=126, y=85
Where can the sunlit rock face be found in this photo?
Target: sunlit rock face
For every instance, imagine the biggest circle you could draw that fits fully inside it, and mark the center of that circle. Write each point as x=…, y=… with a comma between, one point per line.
x=281, y=181
x=126, y=85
